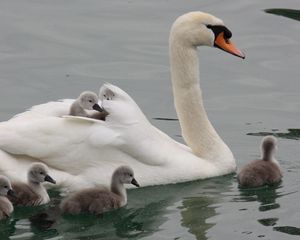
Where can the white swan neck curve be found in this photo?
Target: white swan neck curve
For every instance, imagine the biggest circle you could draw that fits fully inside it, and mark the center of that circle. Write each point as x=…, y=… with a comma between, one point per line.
x=197, y=130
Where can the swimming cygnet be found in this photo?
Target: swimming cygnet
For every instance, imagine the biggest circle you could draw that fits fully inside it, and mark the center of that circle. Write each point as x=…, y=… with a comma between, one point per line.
x=99, y=200
x=33, y=193
x=263, y=171
x=6, y=207
x=86, y=101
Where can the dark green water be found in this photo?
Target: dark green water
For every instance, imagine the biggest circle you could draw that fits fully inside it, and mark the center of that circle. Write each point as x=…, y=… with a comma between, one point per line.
x=56, y=49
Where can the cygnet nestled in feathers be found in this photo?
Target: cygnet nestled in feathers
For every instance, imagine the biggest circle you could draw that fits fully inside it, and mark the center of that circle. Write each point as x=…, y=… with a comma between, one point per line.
x=86, y=101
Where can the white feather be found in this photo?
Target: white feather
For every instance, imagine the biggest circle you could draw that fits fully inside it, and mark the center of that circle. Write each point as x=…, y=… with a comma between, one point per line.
x=83, y=152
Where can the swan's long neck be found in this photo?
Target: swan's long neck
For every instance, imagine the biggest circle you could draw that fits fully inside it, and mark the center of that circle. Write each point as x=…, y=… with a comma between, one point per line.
x=196, y=128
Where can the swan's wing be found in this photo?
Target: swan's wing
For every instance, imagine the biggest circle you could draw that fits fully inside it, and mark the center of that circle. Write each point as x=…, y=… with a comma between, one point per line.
x=81, y=119
x=42, y=134
x=54, y=109
x=42, y=131
x=59, y=142
x=35, y=137
x=81, y=153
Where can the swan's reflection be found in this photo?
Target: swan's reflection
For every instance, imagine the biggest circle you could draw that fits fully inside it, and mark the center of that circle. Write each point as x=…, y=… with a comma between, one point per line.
x=202, y=205
x=148, y=210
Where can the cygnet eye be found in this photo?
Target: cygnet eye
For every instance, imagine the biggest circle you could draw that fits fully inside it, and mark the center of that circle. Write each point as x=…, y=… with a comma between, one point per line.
x=90, y=101
x=130, y=175
x=5, y=186
x=41, y=173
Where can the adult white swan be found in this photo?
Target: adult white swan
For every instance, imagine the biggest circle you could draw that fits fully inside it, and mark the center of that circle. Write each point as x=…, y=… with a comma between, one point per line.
x=82, y=152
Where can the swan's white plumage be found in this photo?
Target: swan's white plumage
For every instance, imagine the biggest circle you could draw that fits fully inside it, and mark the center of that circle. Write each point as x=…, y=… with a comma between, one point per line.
x=83, y=152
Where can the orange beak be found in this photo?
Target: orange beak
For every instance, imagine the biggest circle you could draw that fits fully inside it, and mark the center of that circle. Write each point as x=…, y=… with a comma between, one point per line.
x=228, y=46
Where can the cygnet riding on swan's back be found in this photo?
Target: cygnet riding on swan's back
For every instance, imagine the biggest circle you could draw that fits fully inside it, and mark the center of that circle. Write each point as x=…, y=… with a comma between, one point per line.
x=84, y=152
x=263, y=171
x=86, y=101
x=6, y=207
x=32, y=193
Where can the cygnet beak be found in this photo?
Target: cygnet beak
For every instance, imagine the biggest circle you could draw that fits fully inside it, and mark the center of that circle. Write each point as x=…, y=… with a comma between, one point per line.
x=49, y=179
x=135, y=183
x=11, y=193
x=97, y=107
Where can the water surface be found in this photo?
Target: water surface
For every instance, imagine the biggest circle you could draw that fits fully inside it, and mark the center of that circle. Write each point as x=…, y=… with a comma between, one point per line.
x=56, y=49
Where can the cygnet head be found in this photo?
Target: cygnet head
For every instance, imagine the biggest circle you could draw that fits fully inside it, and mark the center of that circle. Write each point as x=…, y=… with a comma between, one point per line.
x=268, y=147
x=120, y=106
x=124, y=175
x=38, y=173
x=89, y=100
x=199, y=28
x=5, y=186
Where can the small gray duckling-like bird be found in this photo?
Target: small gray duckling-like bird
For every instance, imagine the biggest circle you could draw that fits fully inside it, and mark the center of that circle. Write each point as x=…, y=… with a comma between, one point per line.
x=6, y=207
x=86, y=101
x=32, y=193
x=262, y=171
x=99, y=200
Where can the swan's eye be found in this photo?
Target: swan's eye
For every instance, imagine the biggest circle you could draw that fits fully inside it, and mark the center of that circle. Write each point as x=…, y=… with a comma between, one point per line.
x=227, y=33
x=217, y=29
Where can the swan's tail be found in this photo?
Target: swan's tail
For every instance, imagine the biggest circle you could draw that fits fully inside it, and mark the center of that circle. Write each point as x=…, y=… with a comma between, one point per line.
x=268, y=147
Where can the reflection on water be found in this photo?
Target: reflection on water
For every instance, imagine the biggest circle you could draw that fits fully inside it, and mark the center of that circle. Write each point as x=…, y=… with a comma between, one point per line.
x=292, y=133
x=121, y=223
x=288, y=229
x=265, y=195
x=147, y=211
x=7, y=228
x=55, y=49
x=202, y=206
x=166, y=119
x=196, y=210
x=268, y=221
x=290, y=13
